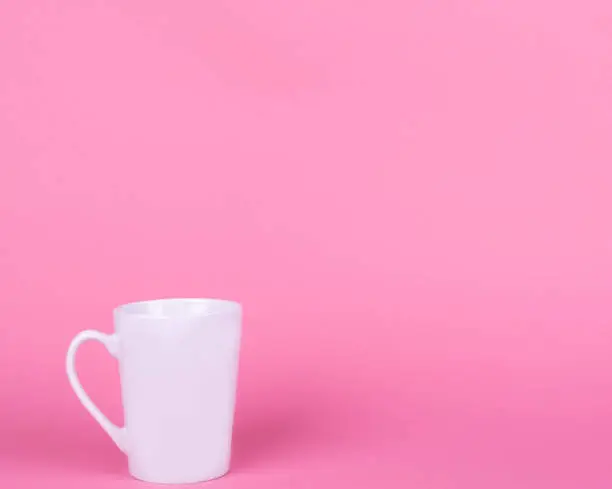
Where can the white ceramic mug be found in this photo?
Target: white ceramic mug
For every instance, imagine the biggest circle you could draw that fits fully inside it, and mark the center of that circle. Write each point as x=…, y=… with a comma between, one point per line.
x=178, y=363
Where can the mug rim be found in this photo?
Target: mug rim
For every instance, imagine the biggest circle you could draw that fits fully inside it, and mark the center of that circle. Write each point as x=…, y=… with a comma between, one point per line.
x=224, y=306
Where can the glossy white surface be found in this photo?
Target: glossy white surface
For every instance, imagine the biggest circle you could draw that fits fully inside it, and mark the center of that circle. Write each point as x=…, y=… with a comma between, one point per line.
x=178, y=362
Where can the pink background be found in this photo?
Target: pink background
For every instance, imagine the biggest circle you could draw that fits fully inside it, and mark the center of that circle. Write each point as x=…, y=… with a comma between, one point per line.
x=412, y=199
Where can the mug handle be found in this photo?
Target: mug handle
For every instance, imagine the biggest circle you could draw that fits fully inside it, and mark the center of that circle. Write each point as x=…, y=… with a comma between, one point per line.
x=116, y=433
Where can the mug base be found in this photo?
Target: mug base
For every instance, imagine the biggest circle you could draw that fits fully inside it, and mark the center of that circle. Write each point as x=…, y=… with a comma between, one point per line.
x=178, y=480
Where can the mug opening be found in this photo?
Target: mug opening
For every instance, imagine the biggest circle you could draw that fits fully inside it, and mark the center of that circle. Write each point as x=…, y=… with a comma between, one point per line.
x=172, y=307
